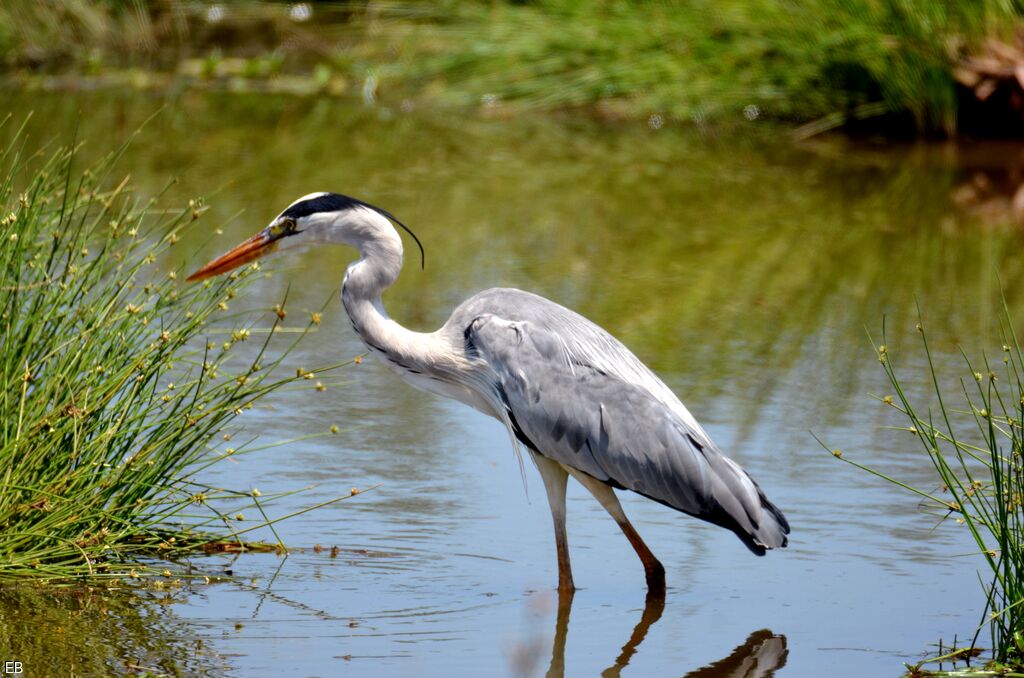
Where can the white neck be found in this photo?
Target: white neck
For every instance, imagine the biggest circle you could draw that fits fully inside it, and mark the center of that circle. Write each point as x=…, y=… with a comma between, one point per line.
x=365, y=282
x=432, y=361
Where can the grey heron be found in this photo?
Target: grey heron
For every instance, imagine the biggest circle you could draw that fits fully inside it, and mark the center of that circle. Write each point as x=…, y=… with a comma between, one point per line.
x=574, y=396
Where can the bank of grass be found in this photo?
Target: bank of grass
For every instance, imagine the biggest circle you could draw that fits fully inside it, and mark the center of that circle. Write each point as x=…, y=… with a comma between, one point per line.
x=976, y=449
x=823, y=63
x=826, y=61
x=116, y=391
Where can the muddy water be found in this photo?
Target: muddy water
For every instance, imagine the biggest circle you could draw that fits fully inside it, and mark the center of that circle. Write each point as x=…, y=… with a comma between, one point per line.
x=740, y=266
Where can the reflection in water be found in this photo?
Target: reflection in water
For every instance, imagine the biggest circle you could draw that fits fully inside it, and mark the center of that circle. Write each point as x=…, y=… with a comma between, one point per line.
x=760, y=656
x=653, y=607
x=87, y=632
x=749, y=245
x=557, y=666
x=758, y=254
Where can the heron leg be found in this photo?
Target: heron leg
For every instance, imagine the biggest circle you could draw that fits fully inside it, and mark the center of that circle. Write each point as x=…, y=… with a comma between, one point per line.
x=605, y=495
x=555, y=478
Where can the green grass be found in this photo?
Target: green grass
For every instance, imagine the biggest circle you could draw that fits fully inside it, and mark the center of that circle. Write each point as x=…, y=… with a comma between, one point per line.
x=975, y=448
x=696, y=61
x=116, y=389
x=821, y=63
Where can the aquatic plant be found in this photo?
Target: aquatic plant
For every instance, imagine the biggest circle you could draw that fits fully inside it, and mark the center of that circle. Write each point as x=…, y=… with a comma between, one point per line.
x=114, y=386
x=977, y=456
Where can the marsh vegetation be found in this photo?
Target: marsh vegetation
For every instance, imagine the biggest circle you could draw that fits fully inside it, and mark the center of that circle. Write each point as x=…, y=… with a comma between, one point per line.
x=899, y=67
x=972, y=437
x=119, y=385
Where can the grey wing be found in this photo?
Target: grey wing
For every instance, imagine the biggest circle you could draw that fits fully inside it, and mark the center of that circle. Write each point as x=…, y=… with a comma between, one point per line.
x=583, y=416
x=581, y=341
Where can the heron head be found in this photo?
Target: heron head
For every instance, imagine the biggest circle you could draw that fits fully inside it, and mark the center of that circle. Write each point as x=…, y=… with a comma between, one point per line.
x=314, y=219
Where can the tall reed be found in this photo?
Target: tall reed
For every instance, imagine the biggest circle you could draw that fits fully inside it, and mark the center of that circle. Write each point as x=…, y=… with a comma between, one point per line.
x=975, y=450
x=112, y=393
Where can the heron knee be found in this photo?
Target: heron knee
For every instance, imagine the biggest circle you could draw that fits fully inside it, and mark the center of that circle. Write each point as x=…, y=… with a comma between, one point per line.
x=603, y=493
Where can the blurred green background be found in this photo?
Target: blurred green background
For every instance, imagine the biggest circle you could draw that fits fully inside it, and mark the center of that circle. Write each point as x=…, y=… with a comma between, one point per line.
x=896, y=66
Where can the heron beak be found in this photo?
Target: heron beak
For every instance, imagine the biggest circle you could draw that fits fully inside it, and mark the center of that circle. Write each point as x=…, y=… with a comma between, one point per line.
x=253, y=248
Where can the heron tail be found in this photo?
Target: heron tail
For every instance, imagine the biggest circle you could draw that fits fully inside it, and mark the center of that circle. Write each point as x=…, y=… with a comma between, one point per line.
x=771, y=530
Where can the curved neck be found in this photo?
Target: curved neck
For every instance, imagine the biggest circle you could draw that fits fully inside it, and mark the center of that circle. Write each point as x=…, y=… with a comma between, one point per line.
x=365, y=282
x=431, y=361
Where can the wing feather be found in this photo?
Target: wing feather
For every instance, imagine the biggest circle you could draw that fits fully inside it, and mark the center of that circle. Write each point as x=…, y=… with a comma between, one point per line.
x=584, y=400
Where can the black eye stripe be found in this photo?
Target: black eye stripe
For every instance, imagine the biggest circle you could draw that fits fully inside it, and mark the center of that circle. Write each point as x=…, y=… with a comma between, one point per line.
x=329, y=202
x=334, y=202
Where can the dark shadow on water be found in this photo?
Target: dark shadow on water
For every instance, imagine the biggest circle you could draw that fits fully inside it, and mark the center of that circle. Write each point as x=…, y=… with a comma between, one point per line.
x=557, y=667
x=759, y=656
x=653, y=607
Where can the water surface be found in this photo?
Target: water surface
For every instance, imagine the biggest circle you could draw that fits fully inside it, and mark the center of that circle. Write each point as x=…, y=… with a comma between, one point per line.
x=742, y=267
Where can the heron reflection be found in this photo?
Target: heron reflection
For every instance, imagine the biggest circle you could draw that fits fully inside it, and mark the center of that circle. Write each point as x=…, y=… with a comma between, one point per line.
x=759, y=656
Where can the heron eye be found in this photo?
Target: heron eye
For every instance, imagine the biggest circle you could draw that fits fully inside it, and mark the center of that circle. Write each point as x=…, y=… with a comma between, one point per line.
x=283, y=227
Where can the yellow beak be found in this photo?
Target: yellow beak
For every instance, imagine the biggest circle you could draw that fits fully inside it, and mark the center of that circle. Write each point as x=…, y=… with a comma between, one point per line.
x=253, y=248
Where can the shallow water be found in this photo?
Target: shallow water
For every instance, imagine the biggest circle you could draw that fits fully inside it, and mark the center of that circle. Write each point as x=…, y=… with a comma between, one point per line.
x=740, y=266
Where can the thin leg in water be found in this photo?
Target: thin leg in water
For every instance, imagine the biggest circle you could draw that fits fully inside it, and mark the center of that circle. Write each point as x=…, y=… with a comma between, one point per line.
x=555, y=478
x=606, y=496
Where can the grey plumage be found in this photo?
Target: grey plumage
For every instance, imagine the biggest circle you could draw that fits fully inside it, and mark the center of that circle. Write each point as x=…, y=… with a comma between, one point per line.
x=579, y=397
